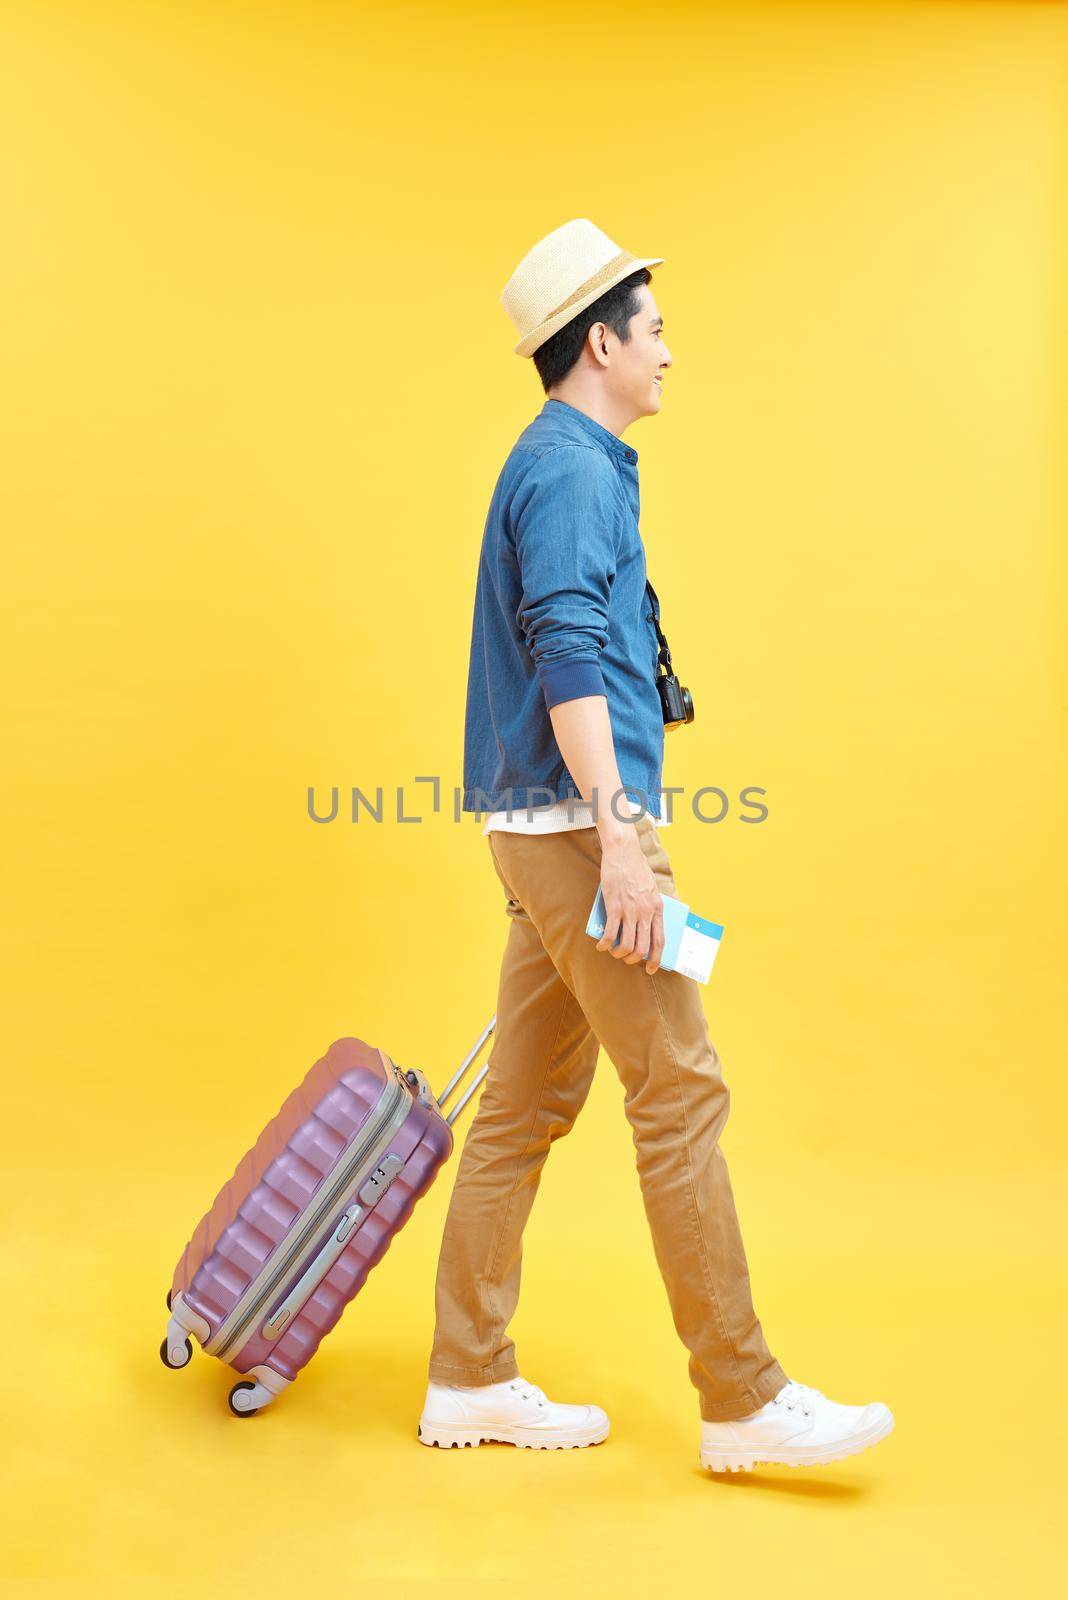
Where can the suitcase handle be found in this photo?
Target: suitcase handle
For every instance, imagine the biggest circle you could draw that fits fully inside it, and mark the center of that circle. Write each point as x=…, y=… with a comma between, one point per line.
x=461, y=1069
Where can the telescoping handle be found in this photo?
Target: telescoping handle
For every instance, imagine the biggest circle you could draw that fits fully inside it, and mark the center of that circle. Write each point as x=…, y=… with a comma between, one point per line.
x=461, y=1069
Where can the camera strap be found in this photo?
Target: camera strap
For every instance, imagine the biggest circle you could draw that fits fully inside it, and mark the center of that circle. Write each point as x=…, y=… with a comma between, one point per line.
x=664, y=654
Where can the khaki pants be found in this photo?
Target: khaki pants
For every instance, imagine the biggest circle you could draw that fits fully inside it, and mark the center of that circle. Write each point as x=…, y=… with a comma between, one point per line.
x=560, y=998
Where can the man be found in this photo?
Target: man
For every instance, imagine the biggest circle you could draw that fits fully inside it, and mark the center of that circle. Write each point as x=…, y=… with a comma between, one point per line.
x=564, y=750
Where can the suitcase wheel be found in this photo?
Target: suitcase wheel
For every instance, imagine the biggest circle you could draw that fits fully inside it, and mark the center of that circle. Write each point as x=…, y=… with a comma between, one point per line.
x=240, y=1400
x=246, y=1399
x=173, y=1355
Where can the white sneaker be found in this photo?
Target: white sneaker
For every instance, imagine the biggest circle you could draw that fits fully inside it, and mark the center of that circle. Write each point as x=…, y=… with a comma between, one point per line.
x=800, y=1427
x=514, y=1412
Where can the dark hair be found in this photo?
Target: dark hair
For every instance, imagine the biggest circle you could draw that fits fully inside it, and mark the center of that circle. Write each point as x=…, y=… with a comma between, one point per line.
x=555, y=358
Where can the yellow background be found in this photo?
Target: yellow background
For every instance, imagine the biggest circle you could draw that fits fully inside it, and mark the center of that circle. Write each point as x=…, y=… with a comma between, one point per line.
x=258, y=386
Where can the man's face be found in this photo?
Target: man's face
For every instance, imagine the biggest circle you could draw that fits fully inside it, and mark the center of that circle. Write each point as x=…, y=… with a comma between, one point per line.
x=638, y=365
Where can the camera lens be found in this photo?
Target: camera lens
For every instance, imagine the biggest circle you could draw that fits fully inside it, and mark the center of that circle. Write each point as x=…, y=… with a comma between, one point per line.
x=687, y=703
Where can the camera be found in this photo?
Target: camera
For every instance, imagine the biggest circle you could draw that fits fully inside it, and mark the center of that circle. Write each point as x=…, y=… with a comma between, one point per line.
x=676, y=701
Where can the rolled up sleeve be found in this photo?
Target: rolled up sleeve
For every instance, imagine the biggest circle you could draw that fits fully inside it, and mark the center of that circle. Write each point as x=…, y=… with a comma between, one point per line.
x=566, y=519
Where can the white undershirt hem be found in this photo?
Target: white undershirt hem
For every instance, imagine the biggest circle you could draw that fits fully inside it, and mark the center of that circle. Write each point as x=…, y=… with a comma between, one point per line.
x=559, y=817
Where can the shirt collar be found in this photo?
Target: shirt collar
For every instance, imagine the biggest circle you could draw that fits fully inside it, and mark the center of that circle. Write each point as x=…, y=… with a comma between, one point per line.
x=586, y=424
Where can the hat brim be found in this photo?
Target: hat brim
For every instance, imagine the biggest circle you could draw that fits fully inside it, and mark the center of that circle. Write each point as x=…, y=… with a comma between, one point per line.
x=545, y=330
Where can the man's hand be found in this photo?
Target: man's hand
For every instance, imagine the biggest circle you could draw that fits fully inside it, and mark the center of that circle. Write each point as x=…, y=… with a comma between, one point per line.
x=584, y=734
x=631, y=898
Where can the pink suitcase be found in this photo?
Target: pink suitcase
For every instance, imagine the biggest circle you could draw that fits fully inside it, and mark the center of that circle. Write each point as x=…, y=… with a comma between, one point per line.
x=312, y=1207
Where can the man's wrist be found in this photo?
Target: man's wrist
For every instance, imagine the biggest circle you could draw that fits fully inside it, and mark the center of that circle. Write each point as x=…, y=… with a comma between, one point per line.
x=613, y=832
x=612, y=815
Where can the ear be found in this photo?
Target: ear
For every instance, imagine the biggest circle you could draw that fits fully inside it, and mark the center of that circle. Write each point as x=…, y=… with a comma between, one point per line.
x=597, y=342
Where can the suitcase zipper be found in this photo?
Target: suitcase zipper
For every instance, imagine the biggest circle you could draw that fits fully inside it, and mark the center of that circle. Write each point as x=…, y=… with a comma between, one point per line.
x=388, y=1116
x=337, y=1240
x=314, y=1273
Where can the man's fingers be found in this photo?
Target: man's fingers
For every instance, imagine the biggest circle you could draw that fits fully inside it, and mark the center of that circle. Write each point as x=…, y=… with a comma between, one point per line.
x=642, y=943
x=626, y=938
x=618, y=921
x=640, y=930
x=641, y=937
x=612, y=917
x=656, y=949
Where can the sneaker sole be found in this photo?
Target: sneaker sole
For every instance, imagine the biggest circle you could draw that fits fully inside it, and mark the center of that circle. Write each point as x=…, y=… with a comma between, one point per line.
x=446, y=1438
x=741, y=1458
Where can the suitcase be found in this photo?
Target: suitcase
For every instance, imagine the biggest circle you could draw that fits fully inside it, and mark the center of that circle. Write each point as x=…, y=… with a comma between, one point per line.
x=316, y=1202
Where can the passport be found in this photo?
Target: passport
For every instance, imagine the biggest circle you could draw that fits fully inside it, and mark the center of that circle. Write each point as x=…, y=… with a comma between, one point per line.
x=691, y=943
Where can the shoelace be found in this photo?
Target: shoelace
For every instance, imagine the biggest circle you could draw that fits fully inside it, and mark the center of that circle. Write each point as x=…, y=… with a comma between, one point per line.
x=530, y=1391
x=797, y=1394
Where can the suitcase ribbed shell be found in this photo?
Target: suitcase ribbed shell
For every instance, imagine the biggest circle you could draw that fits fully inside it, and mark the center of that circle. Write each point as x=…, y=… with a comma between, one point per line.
x=277, y=1180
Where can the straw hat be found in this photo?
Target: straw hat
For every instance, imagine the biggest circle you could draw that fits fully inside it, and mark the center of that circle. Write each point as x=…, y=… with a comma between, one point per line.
x=560, y=276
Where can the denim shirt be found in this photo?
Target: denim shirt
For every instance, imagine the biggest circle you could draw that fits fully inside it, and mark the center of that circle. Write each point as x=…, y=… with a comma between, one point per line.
x=561, y=611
